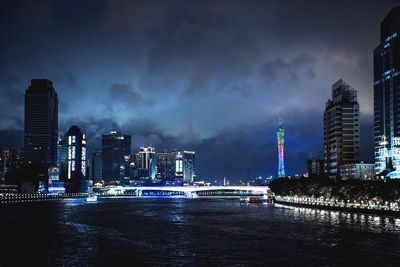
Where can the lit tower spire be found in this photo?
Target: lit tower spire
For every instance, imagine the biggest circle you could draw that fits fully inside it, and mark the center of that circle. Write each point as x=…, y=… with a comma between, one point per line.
x=281, y=139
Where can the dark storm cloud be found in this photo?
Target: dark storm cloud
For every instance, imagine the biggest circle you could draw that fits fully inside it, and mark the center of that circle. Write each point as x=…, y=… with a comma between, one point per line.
x=124, y=93
x=282, y=70
x=212, y=76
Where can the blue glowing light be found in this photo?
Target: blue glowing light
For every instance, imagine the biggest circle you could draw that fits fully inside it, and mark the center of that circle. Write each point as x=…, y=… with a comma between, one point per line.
x=394, y=35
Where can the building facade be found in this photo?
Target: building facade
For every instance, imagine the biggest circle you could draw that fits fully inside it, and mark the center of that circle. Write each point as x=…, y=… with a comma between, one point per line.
x=341, y=128
x=387, y=97
x=115, y=147
x=96, y=166
x=41, y=126
x=166, y=166
x=11, y=159
x=147, y=163
x=185, y=170
x=358, y=171
x=315, y=168
x=74, y=160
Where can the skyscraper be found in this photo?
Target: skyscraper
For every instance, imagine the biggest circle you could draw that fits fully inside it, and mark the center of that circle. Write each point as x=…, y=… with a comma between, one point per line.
x=341, y=128
x=166, y=166
x=387, y=97
x=115, y=147
x=281, y=140
x=73, y=160
x=147, y=163
x=41, y=125
x=185, y=166
x=189, y=167
x=96, y=165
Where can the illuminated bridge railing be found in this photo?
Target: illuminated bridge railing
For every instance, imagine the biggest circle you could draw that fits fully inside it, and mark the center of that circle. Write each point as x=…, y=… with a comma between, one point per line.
x=185, y=190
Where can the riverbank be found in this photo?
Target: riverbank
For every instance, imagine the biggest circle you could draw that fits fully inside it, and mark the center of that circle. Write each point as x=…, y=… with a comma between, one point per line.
x=314, y=203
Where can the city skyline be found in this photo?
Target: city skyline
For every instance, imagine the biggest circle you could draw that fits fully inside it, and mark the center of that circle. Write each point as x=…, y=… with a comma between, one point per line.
x=162, y=92
x=200, y=133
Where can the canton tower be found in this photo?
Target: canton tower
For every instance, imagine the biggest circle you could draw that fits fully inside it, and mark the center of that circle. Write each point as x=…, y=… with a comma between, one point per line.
x=281, y=138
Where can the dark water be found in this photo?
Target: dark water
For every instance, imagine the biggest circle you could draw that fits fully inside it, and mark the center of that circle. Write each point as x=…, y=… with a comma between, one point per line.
x=191, y=232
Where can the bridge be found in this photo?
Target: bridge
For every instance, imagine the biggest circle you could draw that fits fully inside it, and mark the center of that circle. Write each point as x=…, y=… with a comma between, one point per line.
x=185, y=191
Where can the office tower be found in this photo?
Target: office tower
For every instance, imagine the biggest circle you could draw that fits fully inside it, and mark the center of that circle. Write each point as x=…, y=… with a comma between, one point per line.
x=41, y=126
x=189, y=170
x=387, y=97
x=315, y=168
x=11, y=159
x=341, y=128
x=166, y=166
x=147, y=163
x=281, y=140
x=96, y=166
x=185, y=166
x=115, y=147
x=73, y=160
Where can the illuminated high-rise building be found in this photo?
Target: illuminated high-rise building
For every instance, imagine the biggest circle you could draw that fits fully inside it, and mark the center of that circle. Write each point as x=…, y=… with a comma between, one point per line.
x=147, y=163
x=189, y=174
x=41, y=126
x=341, y=128
x=115, y=147
x=281, y=141
x=73, y=160
x=177, y=166
x=387, y=97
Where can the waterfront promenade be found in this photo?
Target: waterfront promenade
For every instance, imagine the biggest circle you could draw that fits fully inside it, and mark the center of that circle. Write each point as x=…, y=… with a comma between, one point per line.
x=369, y=207
x=13, y=198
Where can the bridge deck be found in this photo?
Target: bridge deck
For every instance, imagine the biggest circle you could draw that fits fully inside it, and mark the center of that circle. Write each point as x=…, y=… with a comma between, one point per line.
x=190, y=189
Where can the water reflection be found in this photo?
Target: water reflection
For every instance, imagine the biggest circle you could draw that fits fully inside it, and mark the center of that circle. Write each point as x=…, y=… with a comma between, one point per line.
x=142, y=232
x=367, y=222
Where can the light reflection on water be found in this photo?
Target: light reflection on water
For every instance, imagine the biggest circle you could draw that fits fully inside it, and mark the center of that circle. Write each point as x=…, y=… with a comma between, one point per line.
x=366, y=222
x=115, y=232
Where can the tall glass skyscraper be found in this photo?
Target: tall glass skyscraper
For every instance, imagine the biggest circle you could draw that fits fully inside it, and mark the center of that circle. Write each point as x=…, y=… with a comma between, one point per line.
x=115, y=147
x=387, y=98
x=41, y=125
x=341, y=128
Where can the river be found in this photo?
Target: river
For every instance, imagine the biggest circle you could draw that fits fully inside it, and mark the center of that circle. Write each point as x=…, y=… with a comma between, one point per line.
x=191, y=232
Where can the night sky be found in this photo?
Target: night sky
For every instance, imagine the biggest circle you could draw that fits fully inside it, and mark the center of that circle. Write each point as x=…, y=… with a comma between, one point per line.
x=210, y=76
